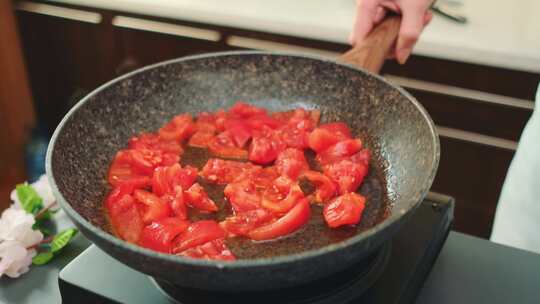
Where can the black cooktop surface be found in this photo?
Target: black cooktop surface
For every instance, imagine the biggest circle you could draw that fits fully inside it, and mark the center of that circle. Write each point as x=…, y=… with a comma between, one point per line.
x=395, y=274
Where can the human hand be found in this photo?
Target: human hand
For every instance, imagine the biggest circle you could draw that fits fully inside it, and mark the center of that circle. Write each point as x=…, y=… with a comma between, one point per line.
x=415, y=16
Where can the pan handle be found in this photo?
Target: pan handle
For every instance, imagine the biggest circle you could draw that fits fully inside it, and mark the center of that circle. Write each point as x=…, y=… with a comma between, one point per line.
x=371, y=53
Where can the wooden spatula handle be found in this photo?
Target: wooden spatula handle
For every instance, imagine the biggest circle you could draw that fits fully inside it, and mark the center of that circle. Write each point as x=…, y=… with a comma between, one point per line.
x=371, y=53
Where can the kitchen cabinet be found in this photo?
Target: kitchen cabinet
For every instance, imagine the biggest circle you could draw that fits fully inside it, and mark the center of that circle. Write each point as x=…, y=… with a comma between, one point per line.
x=480, y=110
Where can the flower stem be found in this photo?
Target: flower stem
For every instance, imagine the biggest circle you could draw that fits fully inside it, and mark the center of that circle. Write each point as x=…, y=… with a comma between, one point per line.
x=43, y=211
x=45, y=240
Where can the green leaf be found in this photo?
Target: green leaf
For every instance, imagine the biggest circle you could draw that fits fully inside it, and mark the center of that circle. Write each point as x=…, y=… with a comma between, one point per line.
x=30, y=200
x=42, y=258
x=62, y=239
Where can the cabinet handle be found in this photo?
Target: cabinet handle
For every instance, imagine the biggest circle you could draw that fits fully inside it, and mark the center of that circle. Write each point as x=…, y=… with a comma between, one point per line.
x=266, y=45
x=57, y=11
x=460, y=92
x=477, y=138
x=166, y=28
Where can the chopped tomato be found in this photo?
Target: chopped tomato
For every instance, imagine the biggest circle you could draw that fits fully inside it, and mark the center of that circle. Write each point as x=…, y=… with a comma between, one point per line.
x=339, y=150
x=152, y=141
x=243, y=109
x=265, y=147
x=177, y=202
x=225, y=171
x=320, y=139
x=263, y=178
x=243, y=196
x=362, y=157
x=240, y=131
x=196, y=197
x=339, y=129
x=327, y=135
x=125, y=219
x=206, y=130
x=205, y=118
x=197, y=234
x=344, y=210
x=213, y=250
x=260, y=122
x=283, y=195
x=153, y=208
x=325, y=187
x=223, y=145
x=201, y=139
x=220, y=119
x=144, y=161
x=121, y=170
x=288, y=223
x=165, y=179
x=291, y=162
x=294, y=137
x=243, y=222
x=159, y=234
x=179, y=128
x=347, y=174
x=126, y=187
x=297, y=115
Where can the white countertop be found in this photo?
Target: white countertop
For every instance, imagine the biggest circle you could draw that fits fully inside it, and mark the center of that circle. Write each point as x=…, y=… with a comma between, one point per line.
x=499, y=33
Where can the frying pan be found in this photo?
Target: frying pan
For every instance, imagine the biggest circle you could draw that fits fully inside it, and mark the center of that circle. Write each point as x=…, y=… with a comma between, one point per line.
x=391, y=122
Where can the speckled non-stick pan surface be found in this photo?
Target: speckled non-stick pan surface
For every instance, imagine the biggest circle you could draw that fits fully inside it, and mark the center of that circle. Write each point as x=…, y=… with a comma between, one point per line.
x=391, y=122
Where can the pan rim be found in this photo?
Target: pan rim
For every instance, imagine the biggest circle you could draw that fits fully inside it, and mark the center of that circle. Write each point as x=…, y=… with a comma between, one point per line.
x=243, y=263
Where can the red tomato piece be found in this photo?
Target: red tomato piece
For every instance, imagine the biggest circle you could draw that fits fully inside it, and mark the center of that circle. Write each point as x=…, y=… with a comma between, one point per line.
x=340, y=150
x=320, y=139
x=225, y=171
x=196, y=197
x=265, y=146
x=201, y=139
x=206, y=130
x=327, y=135
x=242, y=223
x=288, y=223
x=223, y=145
x=213, y=250
x=291, y=162
x=339, y=129
x=259, y=122
x=346, y=209
x=362, y=157
x=125, y=219
x=294, y=137
x=197, y=234
x=152, y=141
x=165, y=179
x=179, y=128
x=243, y=109
x=121, y=170
x=347, y=174
x=263, y=178
x=240, y=131
x=126, y=187
x=282, y=196
x=153, y=208
x=159, y=234
x=177, y=202
x=144, y=161
x=325, y=187
x=242, y=196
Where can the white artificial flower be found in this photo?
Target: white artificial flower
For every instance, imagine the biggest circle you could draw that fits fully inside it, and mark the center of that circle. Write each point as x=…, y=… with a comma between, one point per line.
x=42, y=188
x=15, y=259
x=16, y=225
